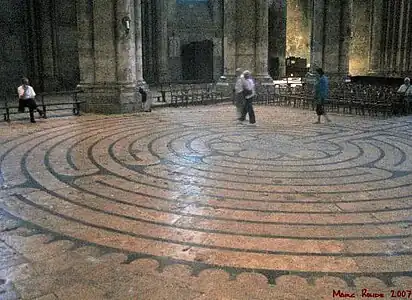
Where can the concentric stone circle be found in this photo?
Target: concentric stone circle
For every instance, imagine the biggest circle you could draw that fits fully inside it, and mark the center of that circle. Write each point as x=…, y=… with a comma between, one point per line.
x=317, y=199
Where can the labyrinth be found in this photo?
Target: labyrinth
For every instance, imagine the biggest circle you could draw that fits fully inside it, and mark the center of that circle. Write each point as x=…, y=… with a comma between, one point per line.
x=192, y=186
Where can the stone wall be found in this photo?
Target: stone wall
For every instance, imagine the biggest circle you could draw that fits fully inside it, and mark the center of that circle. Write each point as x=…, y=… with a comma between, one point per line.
x=298, y=29
x=194, y=21
x=360, y=43
x=40, y=42
x=13, y=52
x=67, y=57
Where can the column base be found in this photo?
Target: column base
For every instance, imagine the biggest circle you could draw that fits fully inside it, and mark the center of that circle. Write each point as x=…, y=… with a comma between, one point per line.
x=111, y=98
x=264, y=79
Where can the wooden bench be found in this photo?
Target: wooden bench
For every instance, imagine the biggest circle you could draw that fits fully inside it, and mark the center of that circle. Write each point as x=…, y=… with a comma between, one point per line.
x=12, y=109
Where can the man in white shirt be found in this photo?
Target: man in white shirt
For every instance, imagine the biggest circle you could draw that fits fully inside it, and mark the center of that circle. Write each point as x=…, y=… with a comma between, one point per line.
x=405, y=91
x=27, y=99
x=249, y=92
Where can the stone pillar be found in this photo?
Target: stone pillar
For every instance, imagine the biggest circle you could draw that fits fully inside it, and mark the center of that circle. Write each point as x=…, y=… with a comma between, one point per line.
x=402, y=37
x=125, y=44
x=110, y=55
x=162, y=41
x=85, y=41
x=48, y=46
x=376, y=38
x=389, y=11
x=277, y=37
x=332, y=38
x=229, y=38
x=147, y=41
x=246, y=36
x=345, y=36
x=395, y=36
x=317, y=35
x=408, y=40
x=262, y=38
x=32, y=30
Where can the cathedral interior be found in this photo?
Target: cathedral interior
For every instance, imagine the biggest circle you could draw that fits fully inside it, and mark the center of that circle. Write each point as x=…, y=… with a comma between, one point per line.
x=185, y=200
x=52, y=42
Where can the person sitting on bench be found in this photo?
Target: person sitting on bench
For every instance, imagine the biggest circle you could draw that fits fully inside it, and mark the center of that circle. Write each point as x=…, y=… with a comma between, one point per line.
x=27, y=99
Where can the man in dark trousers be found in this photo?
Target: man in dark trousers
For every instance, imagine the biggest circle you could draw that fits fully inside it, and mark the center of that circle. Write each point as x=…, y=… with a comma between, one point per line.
x=27, y=99
x=321, y=94
x=249, y=92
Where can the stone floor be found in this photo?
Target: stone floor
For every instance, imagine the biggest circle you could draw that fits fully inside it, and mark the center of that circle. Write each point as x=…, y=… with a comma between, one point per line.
x=189, y=204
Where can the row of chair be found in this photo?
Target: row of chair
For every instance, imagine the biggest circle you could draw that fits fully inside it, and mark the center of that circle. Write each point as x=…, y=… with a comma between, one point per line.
x=347, y=98
x=191, y=94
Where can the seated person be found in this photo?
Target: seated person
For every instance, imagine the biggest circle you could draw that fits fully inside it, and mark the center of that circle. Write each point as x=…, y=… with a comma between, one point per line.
x=27, y=99
x=405, y=91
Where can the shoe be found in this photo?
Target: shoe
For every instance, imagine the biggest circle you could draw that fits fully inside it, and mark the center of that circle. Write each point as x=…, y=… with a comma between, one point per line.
x=33, y=121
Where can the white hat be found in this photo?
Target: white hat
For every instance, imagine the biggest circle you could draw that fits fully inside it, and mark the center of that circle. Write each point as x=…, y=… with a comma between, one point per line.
x=407, y=79
x=246, y=72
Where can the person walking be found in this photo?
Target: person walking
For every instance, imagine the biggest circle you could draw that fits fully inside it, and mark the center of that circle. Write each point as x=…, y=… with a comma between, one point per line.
x=321, y=94
x=238, y=97
x=249, y=92
x=27, y=99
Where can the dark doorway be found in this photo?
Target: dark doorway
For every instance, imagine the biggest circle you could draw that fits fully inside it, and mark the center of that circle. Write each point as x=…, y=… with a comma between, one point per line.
x=197, y=61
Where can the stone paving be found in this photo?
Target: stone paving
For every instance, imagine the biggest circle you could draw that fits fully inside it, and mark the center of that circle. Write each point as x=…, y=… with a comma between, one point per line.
x=190, y=204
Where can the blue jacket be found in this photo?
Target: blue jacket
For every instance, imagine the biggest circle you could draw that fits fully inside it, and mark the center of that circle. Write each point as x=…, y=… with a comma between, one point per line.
x=322, y=89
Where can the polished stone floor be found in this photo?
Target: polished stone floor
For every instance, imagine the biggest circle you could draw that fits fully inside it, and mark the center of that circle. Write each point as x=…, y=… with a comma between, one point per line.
x=189, y=204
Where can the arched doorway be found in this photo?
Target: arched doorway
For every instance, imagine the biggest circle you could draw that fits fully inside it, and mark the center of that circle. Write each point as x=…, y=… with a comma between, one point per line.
x=197, y=61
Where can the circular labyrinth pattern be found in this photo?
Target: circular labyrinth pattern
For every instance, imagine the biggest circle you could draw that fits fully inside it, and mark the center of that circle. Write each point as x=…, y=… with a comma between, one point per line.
x=310, y=200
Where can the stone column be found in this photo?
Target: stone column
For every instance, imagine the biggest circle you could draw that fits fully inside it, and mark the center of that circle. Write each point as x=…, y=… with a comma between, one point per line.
x=402, y=37
x=85, y=41
x=48, y=46
x=110, y=55
x=32, y=30
x=147, y=41
x=408, y=40
x=277, y=36
x=317, y=36
x=376, y=38
x=246, y=40
x=125, y=44
x=262, y=38
x=162, y=41
x=395, y=36
x=332, y=39
x=138, y=41
x=345, y=36
x=388, y=37
x=229, y=38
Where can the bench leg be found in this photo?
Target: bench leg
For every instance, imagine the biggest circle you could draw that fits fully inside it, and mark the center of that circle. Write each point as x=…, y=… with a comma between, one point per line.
x=7, y=115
